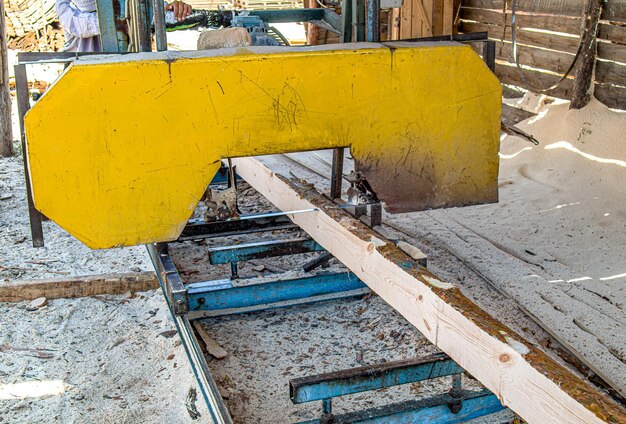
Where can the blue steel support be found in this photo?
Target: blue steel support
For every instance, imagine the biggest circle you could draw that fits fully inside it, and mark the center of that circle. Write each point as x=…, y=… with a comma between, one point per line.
x=361, y=379
x=222, y=295
x=373, y=21
x=432, y=410
x=106, y=23
x=265, y=249
x=221, y=178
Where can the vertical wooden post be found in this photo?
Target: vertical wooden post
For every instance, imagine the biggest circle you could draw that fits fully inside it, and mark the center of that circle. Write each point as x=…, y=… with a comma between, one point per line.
x=312, y=31
x=448, y=17
x=6, y=131
x=437, y=17
x=584, y=69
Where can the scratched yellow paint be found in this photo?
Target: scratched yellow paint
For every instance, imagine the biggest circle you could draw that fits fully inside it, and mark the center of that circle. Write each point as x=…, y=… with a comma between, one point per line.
x=121, y=152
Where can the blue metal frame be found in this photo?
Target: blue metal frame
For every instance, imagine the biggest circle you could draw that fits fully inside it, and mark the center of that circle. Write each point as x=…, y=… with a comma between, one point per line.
x=222, y=295
x=111, y=40
x=221, y=178
x=457, y=405
x=264, y=249
x=362, y=379
x=432, y=410
x=208, y=388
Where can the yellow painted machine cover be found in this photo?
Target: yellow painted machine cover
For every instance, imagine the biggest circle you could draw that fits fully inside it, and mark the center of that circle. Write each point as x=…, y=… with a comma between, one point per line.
x=121, y=148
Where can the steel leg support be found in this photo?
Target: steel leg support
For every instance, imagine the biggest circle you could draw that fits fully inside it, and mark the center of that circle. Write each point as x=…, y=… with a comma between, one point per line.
x=23, y=105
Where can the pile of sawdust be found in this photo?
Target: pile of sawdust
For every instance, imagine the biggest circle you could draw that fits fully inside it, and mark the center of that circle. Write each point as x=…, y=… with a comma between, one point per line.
x=568, y=193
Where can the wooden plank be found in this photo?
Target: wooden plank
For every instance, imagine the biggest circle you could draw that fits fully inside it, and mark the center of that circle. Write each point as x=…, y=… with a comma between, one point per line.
x=437, y=17
x=512, y=115
x=90, y=285
x=611, y=95
x=531, y=38
x=567, y=317
x=555, y=7
x=610, y=51
x=425, y=8
x=416, y=19
x=448, y=17
x=6, y=129
x=524, y=378
x=610, y=72
x=614, y=10
x=509, y=74
x=566, y=24
x=394, y=19
x=212, y=347
x=557, y=62
x=405, y=19
x=614, y=33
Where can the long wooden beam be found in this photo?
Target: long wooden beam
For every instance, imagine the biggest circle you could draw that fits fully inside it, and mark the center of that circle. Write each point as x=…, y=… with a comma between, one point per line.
x=71, y=287
x=523, y=377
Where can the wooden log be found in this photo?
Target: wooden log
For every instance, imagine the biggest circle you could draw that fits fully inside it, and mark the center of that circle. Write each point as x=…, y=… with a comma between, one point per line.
x=523, y=377
x=587, y=59
x=6, y=129
x=90, y=285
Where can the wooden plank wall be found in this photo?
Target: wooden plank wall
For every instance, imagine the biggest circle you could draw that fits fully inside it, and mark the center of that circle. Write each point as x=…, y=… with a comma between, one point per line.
x=421, y=18
x=548, y=37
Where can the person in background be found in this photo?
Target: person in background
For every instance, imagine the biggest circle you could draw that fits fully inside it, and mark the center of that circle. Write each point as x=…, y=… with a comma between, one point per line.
x=80, y=22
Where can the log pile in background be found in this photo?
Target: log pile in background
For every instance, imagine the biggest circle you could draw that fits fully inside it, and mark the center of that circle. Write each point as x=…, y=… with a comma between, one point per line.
x=548, y=36
x=31, y=25
x=24, y=16
x=268, y=4
x=48, y=39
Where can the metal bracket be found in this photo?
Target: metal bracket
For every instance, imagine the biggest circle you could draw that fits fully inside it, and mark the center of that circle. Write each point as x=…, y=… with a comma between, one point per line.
x=173, y=287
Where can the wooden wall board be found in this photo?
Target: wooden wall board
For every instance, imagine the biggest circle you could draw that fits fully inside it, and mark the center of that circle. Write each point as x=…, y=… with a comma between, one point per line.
x=565, y=24
x=448, y=17
x=610, y=73
x=531, y=38
x=437, y=17
x=611, y=95
x=614, y=10
x=405, y=19
x=612, y=51
x=557, y=62
x=510, y=74
x=614, y=33
x=553, y=48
